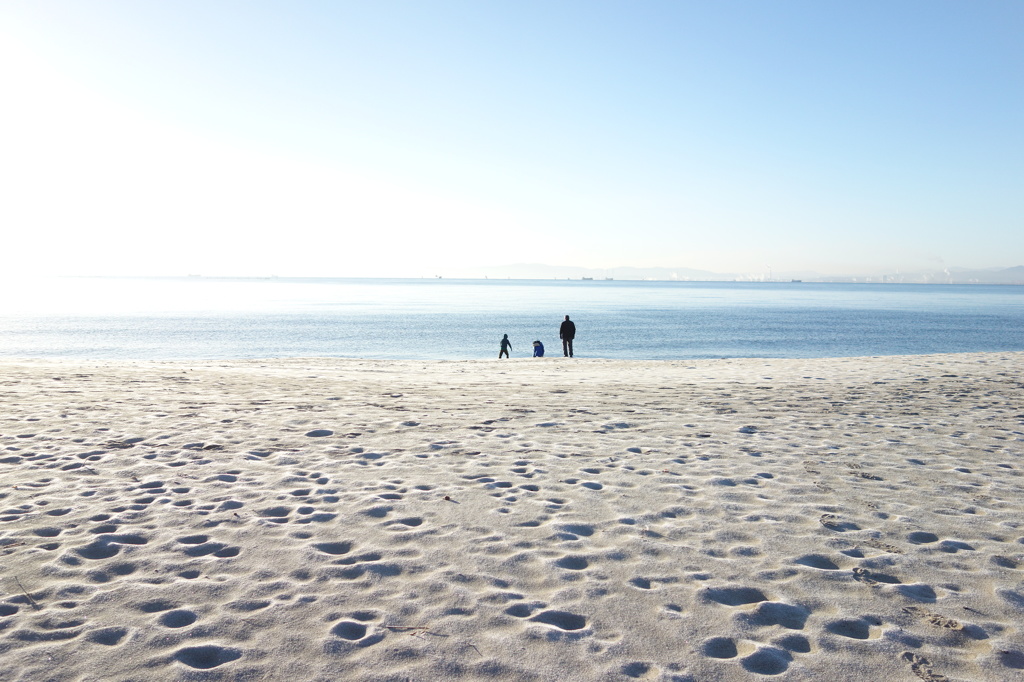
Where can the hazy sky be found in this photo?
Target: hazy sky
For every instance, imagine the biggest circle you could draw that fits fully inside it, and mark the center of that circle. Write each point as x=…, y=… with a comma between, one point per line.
x=331, y=138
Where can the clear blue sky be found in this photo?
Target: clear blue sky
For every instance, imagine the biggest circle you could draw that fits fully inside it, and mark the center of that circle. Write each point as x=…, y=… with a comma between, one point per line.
x=408, y=138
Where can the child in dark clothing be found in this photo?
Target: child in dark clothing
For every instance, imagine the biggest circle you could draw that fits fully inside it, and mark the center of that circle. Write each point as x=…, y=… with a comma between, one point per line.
x=505, y=345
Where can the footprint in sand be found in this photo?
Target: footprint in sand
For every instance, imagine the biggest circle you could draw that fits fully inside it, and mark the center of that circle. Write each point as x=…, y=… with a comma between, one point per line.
x=1012, y=659
x=310, y=515
x=638, y=669
x=768, y=661
x=1004, y=562
x=874, y=578
x=798, y=644
x=574, y=531
x=333, y=548
x=818, y=561
x=207, y=656
x=523, y=610
x=156, y=606
x=349, y=633
x=922, y=668
x=274, y=514
x=770, y=613
x=865, y=627
x=572, y=563
x=719, y=647
x=365, y=557
x=200, y=545
x=113, y=571
x=933, y=618
x=349, y=630
x=832, y=522
x=733, y=596
x=107, y=546
x=50, y=629
x=406, y=523
x=563, y=620
x=107, y=636
x=918, y=592
x=178, y=618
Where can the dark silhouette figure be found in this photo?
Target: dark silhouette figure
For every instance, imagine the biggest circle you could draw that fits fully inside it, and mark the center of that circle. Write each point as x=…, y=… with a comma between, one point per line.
x=567, y=332
x=505, y=345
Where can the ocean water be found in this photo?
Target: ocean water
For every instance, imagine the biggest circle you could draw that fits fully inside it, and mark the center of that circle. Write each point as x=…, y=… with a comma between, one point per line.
x=206, y=318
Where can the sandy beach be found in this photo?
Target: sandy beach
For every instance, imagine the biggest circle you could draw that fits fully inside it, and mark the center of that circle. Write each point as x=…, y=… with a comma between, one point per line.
x=532, y=519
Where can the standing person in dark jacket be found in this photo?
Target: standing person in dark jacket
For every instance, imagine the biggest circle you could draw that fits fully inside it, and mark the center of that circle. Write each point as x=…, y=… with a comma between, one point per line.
x=505, y=345
x=567, y=332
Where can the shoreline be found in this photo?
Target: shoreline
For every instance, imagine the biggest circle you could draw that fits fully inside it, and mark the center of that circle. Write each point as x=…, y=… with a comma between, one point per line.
x=550, y=357
x=593, y=519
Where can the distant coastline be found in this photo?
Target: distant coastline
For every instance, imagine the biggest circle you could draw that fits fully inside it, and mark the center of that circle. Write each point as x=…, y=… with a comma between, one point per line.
x=997, y=277
x=949, y=275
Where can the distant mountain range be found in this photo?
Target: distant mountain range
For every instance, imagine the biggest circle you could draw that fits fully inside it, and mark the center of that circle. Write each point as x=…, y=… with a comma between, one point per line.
x=952, y=275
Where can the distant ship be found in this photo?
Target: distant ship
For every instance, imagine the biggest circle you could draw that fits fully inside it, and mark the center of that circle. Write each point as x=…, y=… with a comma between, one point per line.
x=591, y=279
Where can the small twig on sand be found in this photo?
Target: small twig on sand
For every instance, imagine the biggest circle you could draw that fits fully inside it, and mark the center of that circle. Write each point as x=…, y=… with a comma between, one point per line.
x=405, y=627
x=414, y=630
x=28, y=596
x=91, y=470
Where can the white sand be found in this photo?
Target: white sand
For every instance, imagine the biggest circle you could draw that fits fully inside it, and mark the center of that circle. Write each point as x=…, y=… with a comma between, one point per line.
x=548, y=519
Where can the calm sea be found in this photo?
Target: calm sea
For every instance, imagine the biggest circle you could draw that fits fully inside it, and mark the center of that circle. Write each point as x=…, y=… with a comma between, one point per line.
x=193, y=318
